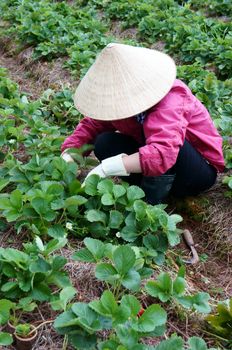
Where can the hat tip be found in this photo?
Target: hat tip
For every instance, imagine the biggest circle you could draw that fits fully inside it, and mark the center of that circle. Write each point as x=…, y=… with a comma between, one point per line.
x=110, y=45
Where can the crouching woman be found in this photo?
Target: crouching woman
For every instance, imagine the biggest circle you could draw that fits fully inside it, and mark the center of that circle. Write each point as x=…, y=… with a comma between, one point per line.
x=147, y=126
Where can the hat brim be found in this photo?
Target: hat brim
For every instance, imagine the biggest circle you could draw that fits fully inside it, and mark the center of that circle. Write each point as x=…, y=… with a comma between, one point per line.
x=124, y=81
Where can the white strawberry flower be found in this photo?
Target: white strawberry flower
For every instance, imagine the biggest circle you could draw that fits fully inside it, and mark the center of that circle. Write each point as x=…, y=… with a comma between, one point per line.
x=69, y=226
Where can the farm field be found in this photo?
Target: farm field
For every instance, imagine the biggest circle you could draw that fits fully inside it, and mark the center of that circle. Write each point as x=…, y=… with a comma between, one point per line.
x=95, y=266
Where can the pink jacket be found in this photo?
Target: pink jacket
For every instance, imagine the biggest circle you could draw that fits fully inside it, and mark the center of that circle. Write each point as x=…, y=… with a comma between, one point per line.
x=178, y=116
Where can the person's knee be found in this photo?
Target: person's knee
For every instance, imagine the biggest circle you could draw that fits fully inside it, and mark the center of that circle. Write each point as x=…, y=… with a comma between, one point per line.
x=101, y=144
x=185, y=149
x=102, y=139
x=109, y=144
x=157, y=188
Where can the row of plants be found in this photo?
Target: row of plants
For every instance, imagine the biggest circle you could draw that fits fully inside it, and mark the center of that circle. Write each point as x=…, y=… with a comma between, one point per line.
x=189, y=35
x=44, y=200
x=79, y=33
x=30, y=277
x=213, y=7
x=123, y=314
x=120, y=314
x=55, y=29
x=35, y=274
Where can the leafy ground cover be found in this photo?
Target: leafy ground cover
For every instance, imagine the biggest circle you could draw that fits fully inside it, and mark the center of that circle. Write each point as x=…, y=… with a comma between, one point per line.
x=207, y=42
x=97, y=266
x=215, y=7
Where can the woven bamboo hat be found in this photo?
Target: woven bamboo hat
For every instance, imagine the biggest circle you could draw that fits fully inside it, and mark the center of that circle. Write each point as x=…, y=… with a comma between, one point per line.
x=124, y=81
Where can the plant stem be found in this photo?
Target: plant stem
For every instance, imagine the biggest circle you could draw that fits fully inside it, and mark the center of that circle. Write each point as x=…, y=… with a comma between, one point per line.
x=108, y=286
x=65, y=342
x=62, y=215
x=117, y=290
x=215, y=335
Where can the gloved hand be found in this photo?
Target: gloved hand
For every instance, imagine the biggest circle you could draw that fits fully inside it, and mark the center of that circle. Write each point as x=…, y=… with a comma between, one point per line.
x=112, y=166
x=66, y=157
x=96, y=171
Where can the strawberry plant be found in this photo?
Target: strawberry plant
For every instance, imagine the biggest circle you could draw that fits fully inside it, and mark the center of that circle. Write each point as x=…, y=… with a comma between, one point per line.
x=61, y=301
x=228, y=181
x=214, y=93
x=55, y=29
x=116, y=265
x=194, y=343
x=5, y=339
x=32, y=272
x=131, y=12
x=58, y=108
x=12, y=102
x=10, y=135
x=108, y=204
x=213, y=7
x=47, y=192
x=43, y=188
x=36, y=142
x=221, y=322
x=82, y=321
x=12, y=312
x=155, y=248
x=23, y=329
x=207, y=42
x=166, y=289
x=224, y=123
x=8, y=88
x=83, y=52
x=203, y=43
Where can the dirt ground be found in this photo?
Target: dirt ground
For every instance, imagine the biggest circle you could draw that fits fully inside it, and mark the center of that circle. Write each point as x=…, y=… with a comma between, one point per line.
x=34, y=77
x=208, y=217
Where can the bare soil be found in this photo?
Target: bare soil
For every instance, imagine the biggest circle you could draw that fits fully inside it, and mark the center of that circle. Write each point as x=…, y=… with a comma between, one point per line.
x=34, y=77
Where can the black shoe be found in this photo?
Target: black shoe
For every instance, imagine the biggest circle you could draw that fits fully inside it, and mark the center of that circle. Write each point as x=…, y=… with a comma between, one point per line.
x=157, y=188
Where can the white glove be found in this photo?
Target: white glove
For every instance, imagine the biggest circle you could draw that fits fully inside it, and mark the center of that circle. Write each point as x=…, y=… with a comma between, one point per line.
x=67, y=157
x=112, y=166
x=97, y=171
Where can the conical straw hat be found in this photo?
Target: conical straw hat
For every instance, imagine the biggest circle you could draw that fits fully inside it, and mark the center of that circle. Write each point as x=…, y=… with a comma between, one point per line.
x=124, y=81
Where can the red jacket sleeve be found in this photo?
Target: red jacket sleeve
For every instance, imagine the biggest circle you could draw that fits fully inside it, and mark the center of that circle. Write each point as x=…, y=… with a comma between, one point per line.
x=164, y=130
x=85, y=132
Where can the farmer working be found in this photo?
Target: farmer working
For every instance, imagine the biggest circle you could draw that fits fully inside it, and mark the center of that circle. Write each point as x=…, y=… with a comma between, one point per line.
x=146, y=125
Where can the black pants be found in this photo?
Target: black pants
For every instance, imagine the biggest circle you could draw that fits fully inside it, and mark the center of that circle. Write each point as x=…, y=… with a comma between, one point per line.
x=192, y=174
